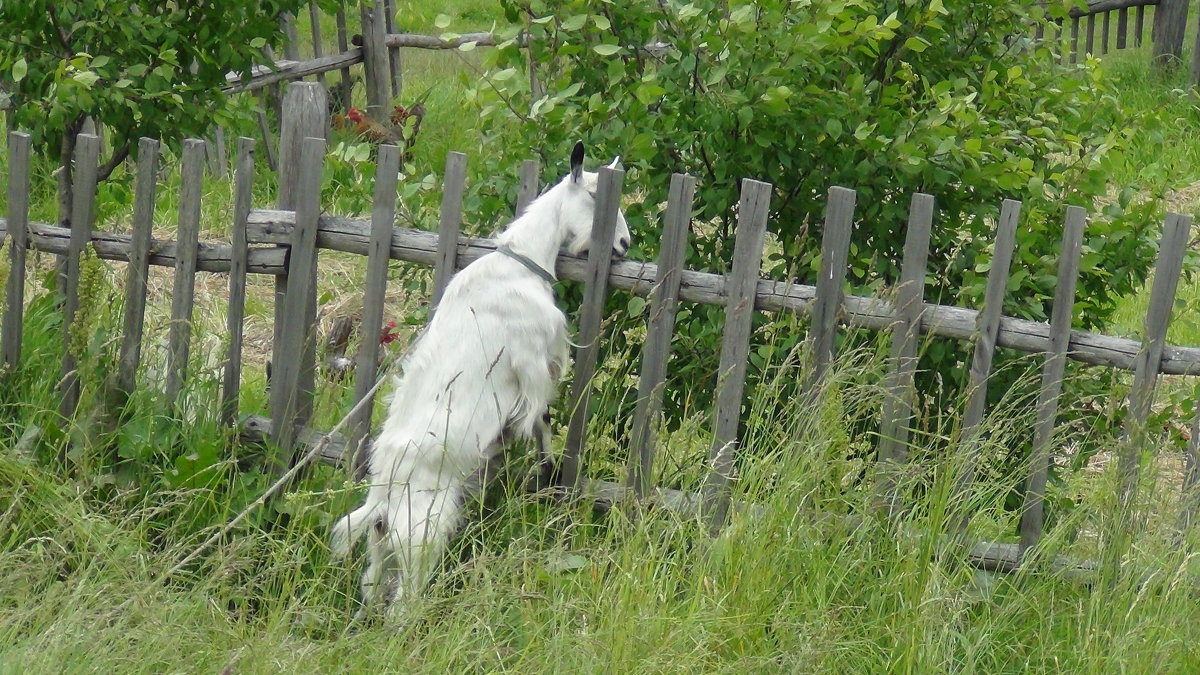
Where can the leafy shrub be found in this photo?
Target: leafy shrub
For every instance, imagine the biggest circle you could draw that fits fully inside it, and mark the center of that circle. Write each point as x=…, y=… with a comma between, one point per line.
x=888, y=98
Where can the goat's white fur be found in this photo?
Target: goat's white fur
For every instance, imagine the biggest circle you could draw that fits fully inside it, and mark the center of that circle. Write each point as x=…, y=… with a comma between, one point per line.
x=483, y=373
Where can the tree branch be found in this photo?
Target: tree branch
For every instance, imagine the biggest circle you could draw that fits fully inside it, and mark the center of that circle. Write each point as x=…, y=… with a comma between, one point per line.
x=118, y=156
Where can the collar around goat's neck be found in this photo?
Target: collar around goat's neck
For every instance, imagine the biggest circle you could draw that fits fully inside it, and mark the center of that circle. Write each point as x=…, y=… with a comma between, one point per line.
x=529, y=265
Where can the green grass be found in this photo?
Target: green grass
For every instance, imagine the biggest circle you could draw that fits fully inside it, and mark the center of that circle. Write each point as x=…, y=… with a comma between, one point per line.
x=555, y=588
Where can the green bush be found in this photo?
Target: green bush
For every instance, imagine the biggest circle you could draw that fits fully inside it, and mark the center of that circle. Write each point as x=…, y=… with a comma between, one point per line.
x=887, y=98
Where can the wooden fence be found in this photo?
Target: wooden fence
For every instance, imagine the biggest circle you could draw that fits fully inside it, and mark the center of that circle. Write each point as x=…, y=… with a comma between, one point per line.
x=284, y=242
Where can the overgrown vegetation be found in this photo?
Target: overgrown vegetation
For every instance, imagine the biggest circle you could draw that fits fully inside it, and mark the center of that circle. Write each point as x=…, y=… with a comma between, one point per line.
x=553, y=587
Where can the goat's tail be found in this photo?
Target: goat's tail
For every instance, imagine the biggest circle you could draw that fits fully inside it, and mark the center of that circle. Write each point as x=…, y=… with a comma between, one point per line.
x=350, y=528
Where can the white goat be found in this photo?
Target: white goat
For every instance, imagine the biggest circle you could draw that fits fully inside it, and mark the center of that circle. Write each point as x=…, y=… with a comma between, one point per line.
x=483, y=373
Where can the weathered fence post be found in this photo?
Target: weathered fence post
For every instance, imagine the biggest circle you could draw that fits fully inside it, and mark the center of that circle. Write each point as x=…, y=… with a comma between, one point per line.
x=741, y=286
x=1146, y=368
x=87, y=150
x=238, y=254
x=528, y=189
x=345, y=85
x=1091, y=34
x=987, y=330
x=608, y=202
x=292, y=378
x=314, y=24
x=902, y=364
x=383, y=219
x=1033, y=513
x=394, y=64
x=305, y=115
x=1122, y=27
x=657, y=349
x=375, y=59
x=18, y=234
x=187, y=243
x=1170, y=23
x=137, y=273
x=828, y=305
x=454, y=184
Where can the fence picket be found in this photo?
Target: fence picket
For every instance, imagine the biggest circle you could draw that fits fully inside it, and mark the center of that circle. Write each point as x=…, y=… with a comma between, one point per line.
x=902, y=364
x=1167, y=270
x=1122, y=27
x=741, y=284
x=451, y=221
x=137, y=273
x=291, y=388
x=383, y=218
x=1105, y=32
x=1140, y=26
x=829, y=301
x=1033, y=512
x=985, y=348
x=396, y=76
x=87, y=152
x=183, y=291
x=345, y=85
x=1074, y=39
x=238, y=261
x=1091, y=34
x=1191, y=476
x=661, y=326
x=608, y=201
x=305, y=115
x=314, y=24
x=528, y=189
x=375, y=59
x=18, y=235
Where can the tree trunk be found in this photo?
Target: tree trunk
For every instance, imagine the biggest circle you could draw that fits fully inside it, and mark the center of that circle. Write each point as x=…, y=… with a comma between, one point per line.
x=1170, y=22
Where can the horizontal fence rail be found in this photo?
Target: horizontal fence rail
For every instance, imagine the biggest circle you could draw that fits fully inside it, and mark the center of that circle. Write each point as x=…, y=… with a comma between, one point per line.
x=353, y=235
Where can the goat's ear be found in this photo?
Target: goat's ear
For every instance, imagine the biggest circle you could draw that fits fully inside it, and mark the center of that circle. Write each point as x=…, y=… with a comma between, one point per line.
x=616, y=163
x=577, y=162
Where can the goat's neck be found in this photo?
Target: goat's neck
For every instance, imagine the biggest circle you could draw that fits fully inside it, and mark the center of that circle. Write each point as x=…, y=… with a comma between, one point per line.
x=537, y=233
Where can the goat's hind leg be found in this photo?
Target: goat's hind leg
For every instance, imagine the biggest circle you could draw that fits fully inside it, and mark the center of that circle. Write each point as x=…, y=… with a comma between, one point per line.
x=548, y=473
x=420, y=526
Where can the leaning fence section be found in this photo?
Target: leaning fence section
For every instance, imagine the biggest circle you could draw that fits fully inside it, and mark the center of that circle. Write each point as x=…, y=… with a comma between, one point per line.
x=284, y=242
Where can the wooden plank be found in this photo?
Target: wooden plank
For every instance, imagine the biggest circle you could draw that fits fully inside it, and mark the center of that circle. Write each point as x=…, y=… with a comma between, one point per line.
x=1091, y=34
x=295, y=71
x=213, y=257
x=1194, y=78
x=389, y=15
x=345, y=85
x=1140, y=24
x=660, y=327
x=528, y=190
x=18, y=235
x=1075, y=40
x=184, y=289
x=291, y=43
x=264, y=128
x=1170, y=25
x=375, y=59
x=291, y=393
x=829, y=302
x=305, y=115
x=985, y=348
x=1167, y=270
x=1122, y=27
x=351, y=235
x=902, y=363
x=383, y=220
x=1033, y=511
x=753, y=209
x=137, y=272
x=239, y=258
x=1104, y=33
x=87, y=150
x=314, y=24
x=451, y=220
x=218, y=163
x=604, y=225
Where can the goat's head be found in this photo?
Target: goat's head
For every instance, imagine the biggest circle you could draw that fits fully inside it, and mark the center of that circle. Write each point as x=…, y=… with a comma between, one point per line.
x=578, y=208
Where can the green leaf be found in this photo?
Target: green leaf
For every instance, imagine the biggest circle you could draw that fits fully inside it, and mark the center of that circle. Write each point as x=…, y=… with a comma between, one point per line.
x=19, y=70
x=916, y=44
x=606, y=49
x=574, y=23
x=258, y=43
x=87, y=78
x=441, y=21
x=601, y=22
x=833, y=127
x=636, y=305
